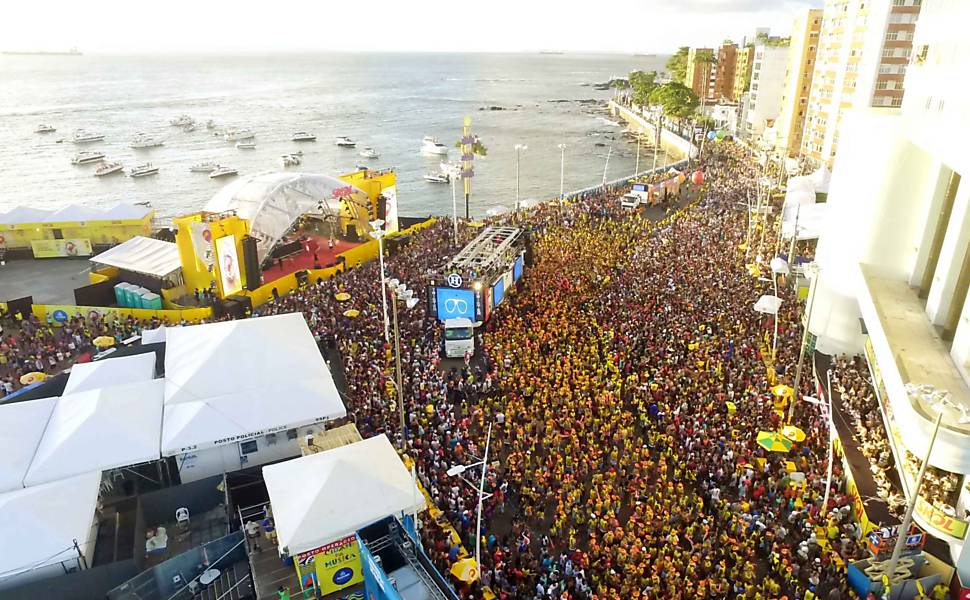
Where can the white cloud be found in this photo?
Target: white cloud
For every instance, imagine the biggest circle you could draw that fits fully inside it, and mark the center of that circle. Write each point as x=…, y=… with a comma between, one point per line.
x=114, y=26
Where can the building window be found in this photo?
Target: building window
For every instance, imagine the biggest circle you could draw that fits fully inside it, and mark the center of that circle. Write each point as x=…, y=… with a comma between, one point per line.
x=891, y=36
x=896, y=101
x=881, y=85
x=248, y=447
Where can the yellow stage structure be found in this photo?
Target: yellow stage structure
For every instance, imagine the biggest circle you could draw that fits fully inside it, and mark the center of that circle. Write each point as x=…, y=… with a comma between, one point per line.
x=375, y=184
x=210, y=247
x=73, y=230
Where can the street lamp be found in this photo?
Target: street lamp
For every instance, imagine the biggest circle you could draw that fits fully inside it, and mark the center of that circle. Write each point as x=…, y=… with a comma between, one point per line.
x=813, y=272
x=607, y=165
x=562, y=174
x=453, y=173
x=457, y=470
x=377, y=232
x=518, y=149
x=400, y=291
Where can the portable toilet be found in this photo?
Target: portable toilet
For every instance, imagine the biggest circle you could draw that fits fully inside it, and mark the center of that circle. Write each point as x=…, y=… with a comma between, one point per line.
x=151, y=300
x=120, y=298
x=133, y=294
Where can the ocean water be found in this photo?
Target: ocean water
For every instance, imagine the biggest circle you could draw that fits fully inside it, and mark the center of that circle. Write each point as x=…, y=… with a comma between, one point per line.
x=388, y=101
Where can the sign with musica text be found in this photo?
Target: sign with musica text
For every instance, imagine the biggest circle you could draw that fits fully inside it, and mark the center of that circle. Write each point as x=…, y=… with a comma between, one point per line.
x=336, y=565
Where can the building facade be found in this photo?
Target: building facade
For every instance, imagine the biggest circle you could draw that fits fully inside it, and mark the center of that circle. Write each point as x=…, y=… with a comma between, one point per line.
x=895, y=252
x=798, y=82
x=724, y=71
x=767, y=83
x=862, y=44
x=700, y=71
x=742, y=71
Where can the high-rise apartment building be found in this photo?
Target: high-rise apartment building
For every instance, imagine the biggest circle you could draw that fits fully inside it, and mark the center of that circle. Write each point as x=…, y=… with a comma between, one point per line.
x=767, y=83
x=802, y=51
x=700, y=71
x=864, y=46
x=727, y=56
x=742, y=71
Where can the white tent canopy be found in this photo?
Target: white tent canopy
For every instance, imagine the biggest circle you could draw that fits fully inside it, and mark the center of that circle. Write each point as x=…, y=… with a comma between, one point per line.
x=274, y=201
x=153, y=336
x=144, y=255
x=117, y=371
x=221, y=383
x=40, y=524
x=74, y=212
x=325, y=496
x=768, y=305
x=23, y=427
x=809, y=218
x=100, y=429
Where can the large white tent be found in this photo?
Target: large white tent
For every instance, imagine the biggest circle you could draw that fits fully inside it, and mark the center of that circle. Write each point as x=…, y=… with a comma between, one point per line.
x=148, y=256
x=21, y=215
x=117, y=371
x=325, y=496
x=40, y=524
x=23, y=426
x=99, y=429
x=226, y=381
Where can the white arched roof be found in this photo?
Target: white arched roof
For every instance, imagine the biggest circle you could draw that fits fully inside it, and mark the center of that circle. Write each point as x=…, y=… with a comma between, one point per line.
x=274, y=201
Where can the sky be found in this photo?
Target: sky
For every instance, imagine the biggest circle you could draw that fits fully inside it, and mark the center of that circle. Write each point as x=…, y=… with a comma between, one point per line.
x=251, y=26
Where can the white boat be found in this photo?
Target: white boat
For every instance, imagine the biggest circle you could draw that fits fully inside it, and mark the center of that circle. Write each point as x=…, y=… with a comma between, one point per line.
x=248, y=144
x=85, y=137
x=290, y=160
x=234, y=135
x=345, y=142
x=108, y=168
x=303, y=136
x=143, y=170
x=83, y=158
x=210, y=124
x=449, y=168
x=45, y=128
x=204, y=167
x=437, y=177
x=144, y=140
x=223, y=172
x=431, y=145
x=369, y=152
x=181, y=121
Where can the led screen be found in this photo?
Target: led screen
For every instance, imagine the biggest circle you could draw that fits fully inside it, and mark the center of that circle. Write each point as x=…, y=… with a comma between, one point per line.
x=452, y=303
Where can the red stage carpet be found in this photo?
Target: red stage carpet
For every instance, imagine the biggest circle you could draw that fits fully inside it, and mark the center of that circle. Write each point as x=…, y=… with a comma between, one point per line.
x=305, y=259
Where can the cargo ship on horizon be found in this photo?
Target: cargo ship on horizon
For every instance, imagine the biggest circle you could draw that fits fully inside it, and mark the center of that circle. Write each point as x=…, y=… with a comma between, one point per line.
x=72, y=52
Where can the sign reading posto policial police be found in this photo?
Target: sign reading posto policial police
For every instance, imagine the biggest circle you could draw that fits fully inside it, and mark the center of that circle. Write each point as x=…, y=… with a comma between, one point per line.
x=455, y=280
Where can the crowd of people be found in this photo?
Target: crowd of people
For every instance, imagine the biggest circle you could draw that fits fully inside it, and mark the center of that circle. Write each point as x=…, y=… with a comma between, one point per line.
x=624, y=384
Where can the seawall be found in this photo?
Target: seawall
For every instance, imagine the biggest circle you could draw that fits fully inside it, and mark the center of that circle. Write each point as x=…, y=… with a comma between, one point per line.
x=675, y=146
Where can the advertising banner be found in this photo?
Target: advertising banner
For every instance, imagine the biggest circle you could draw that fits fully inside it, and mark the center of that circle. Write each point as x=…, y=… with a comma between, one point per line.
x=229, y=273
x=61, y=248
x=517, y=267
x=452, y=303
x=202, y=242
x=331, y=567
x=498, y=292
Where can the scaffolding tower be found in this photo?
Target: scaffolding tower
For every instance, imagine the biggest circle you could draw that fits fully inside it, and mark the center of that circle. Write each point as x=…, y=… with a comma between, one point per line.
x=494, y=249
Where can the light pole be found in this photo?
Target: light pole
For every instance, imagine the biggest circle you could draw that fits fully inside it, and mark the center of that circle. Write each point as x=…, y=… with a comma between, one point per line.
x=562, y=174
x=636, y=170
x=400, y=290
x=458, y=470
x=814, y=272
x=454, y=174
x=377, y=232
x=518, y=150
x=778, y=267
x=607, y=165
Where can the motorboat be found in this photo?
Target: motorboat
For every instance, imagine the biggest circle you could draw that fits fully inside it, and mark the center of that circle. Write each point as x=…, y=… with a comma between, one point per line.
x=431, y=145
x=45, y=128
x=143, y=170
x=86, y=137
x=181, y=121
x=437, y=177
x=223, y=172
x=290, y=160
x=247, y=144
x=143, y=140
x=108, y=168
x=234, y=135
x=84, y=158
x=303, y=136
x=450, y=168
x=345, y=142
x=369, y=152
x=204, y=167
x=210, y=124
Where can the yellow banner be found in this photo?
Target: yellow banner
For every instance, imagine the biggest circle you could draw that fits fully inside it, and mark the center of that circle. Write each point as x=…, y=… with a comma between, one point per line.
x=58, y=314
x=331, y=567
x=60, y=248
x=940, y=520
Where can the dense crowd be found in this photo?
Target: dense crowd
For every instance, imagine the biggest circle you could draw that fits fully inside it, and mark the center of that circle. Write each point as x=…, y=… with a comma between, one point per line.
x=619, y=468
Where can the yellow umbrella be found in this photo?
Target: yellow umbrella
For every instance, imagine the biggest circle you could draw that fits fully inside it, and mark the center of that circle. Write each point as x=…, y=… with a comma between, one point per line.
x=104, y=341
x=342, y=297
x=793, y=433
x=754, y=269
x=783, y=390
x=352, y=313
x=465, y=570
x=732, y=407
x=773, y=442
x=34, y=377
x=476, y=224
